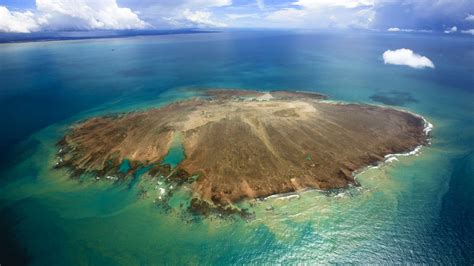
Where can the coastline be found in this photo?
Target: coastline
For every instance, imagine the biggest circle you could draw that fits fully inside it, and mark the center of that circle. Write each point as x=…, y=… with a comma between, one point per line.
x=409, y=211
x=388, y=159
x=46, y=37
x=292, y=106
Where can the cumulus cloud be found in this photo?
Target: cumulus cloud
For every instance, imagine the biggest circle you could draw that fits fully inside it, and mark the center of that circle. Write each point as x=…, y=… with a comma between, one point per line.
x=451, y=30
x=288, y=16
x=23, y=22
x=71, y=14
x=89, y=14
x=189, y=18
x=393, y=15
x=407, y=30
x=470, y=31
x=399, y=15
x=182, y=13
x=400, y=30
x=406, y=57
x=324, y=14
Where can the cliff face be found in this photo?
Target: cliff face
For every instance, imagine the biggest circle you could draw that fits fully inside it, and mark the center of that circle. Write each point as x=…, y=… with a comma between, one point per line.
x=246, y=144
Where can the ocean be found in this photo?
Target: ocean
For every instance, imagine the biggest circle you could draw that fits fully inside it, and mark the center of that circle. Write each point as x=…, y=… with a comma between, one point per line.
x=418, y=209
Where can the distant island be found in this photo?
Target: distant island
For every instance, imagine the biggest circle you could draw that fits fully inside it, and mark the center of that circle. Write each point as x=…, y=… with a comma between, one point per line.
x=45, y=36
x=243, y=144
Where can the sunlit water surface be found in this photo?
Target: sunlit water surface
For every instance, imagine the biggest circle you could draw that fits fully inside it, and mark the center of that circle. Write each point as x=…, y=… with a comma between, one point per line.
x=419, y=209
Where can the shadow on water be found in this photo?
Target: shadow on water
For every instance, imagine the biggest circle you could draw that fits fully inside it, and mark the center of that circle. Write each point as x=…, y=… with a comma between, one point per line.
x=11, y=252
x=457, y=213
x=137, y=72
x=398, y=98
x=12, y=155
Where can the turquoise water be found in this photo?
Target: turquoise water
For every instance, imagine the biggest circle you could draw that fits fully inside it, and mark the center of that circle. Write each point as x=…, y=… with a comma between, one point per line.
x=176, y=153
x=419, y=209
x=124, y=166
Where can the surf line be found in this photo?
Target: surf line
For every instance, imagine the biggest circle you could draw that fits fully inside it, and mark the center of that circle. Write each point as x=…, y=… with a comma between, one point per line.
x=389, y=158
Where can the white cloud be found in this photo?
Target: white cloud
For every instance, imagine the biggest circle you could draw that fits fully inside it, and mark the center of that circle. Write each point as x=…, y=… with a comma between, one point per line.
x=470, y=31
x=189, y=18
x=206, y=3
x=407, y=30
x=324, y=14
x=334, y=3
x=400, y=30
x=406, y=57
x=365, y=16
x=393, y=15
x=183, y=13
x=23, y=22
x=71, y=14
x=172, y=5
x=287, y=17
x=451, y=30
x=233, y=16
x=89, y=14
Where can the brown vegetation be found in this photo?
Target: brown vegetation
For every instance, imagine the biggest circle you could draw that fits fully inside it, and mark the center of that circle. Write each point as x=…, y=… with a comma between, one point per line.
x=247, y=144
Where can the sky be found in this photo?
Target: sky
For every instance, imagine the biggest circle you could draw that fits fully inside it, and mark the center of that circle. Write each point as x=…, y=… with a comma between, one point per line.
x=445, y=16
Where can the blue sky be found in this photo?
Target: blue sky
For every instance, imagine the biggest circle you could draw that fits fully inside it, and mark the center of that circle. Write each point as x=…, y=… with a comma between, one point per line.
x=448, y=16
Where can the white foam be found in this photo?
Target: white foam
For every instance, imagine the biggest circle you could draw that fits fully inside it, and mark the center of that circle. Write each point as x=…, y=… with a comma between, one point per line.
x=289, y=197
x=265, y=97
x=162, y=191
x=391, y=159
x=283, y=196
x=111, y=177
x=428, y=127
x=410, y=153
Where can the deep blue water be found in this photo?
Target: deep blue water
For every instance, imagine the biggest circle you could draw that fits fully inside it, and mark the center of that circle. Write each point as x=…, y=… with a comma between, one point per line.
x=45, y=86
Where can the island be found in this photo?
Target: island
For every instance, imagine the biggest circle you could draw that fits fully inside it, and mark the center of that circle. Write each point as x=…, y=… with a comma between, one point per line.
x=242, y=144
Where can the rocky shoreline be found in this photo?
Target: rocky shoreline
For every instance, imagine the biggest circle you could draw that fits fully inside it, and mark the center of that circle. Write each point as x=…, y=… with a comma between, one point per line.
x=242, y=144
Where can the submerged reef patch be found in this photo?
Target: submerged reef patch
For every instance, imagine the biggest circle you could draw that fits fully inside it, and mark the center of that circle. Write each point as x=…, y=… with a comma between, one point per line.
x=397, y=98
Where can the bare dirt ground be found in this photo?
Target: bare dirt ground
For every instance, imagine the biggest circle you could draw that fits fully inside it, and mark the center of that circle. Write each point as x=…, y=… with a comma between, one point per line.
x=248, y=144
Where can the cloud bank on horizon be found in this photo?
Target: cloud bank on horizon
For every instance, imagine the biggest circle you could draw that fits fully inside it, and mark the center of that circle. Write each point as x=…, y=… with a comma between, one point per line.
x=70, y=14
x=406, y=57
x=449, y=16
